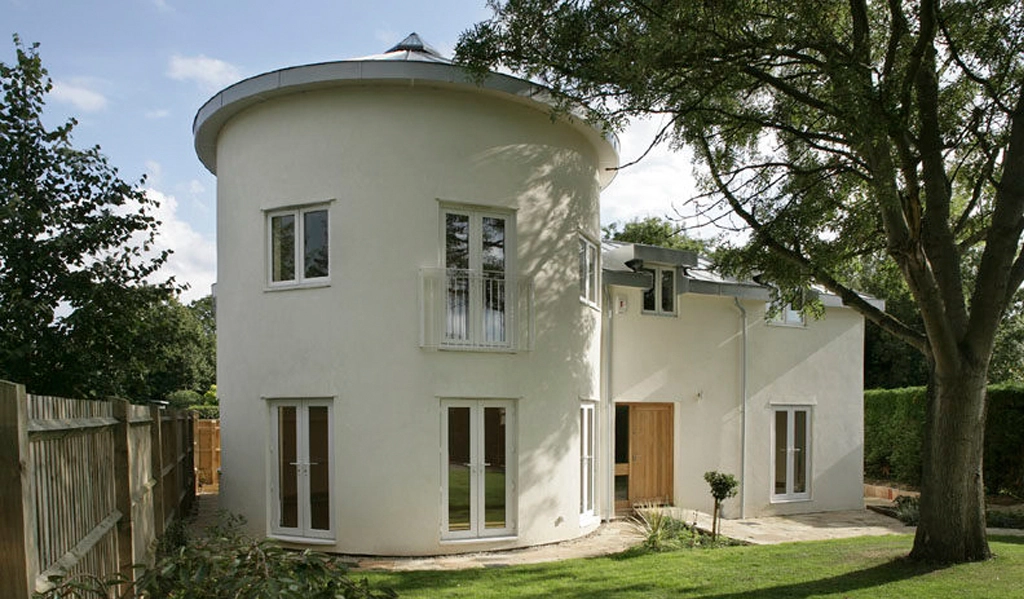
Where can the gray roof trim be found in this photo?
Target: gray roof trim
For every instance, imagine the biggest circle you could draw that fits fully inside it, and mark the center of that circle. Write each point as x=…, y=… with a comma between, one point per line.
x=740, y=290
x=234, y=99
x=621, y=278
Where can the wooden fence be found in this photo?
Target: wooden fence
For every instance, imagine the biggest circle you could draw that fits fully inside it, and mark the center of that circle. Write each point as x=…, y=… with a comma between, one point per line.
x=86, y=486
x=207, y=455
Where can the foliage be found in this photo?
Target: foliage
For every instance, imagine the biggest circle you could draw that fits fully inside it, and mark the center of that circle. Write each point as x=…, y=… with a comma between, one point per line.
x=829, y=131
x=860, y=568
x=79, y=313
x=184, y=398
x=908, y=509
x=1005, y=519
x=662, y=532
x=894, y=424
x=210, y=397
x=723, y=486
x=224, y=562
x=657, y=232
x=205, y=412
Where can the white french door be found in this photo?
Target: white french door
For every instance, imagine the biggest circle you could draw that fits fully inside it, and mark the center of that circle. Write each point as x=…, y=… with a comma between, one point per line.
x=478, y=449
x=301, y=497
x=791, y=440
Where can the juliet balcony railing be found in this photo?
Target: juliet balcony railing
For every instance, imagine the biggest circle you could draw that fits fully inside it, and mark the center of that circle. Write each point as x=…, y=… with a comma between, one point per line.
x=475, y=310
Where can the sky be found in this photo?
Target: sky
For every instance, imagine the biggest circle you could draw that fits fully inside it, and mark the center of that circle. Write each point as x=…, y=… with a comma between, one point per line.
x=134, y=73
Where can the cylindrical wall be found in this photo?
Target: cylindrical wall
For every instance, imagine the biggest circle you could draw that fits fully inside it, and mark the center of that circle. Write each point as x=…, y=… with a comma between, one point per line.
x=386, y=159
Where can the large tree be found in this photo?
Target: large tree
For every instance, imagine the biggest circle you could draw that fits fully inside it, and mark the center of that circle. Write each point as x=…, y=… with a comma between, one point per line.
x=75, y=253
x=831, y=129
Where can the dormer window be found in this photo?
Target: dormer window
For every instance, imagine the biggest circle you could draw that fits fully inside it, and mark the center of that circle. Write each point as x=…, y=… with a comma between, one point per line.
x=661, y=297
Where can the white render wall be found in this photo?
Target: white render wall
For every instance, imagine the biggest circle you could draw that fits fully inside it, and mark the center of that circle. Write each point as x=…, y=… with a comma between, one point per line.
x=694, y=361
x=385, y=157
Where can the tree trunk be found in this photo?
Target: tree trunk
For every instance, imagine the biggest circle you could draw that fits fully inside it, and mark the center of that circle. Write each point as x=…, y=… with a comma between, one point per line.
x=952, y=523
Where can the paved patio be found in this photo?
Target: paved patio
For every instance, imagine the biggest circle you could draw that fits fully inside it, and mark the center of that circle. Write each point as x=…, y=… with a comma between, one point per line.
x=619, y=535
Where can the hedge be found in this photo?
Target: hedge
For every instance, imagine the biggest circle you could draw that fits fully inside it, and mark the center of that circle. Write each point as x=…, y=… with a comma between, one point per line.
x=893, y=430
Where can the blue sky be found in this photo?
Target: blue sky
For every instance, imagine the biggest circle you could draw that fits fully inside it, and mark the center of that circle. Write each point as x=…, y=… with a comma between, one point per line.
x=134, y=72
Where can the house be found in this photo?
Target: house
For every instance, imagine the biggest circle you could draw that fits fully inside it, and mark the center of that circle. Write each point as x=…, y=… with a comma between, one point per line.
x=420, y=352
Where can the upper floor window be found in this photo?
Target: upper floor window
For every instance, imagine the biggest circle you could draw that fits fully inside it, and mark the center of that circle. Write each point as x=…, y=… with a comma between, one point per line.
x=478, y=249
x=299, y=245
x=661, y=297
x=786, y=316
x=588, y=271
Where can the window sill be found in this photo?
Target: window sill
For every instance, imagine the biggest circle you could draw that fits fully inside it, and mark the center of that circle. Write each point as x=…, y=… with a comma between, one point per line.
x=661, y=314
x=301, y=540
x=777, y=500
x=289, y=286
x=477, y=540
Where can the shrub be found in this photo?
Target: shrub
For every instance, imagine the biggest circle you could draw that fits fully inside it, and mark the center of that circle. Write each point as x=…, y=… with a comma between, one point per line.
x=205, y=412
x=183, y=398
x=723, y=486
x=908, y=509
x=894, y=422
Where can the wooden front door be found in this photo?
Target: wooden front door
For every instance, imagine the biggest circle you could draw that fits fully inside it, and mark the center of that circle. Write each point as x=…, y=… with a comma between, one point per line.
x=646, y=461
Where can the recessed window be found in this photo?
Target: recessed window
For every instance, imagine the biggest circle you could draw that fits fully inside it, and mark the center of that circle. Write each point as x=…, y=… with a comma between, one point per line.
x=786, y=316
x=301, y=480
x=588, y=272
x=661, y=297
x=299, y=243
x=588, y=468
x=478, y=480
x=791, y=455
x=478, y=251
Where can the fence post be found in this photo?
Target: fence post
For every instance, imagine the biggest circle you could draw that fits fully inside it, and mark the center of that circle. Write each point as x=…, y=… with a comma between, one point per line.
x=157, y=464
x=19, y=565
x=123, y=492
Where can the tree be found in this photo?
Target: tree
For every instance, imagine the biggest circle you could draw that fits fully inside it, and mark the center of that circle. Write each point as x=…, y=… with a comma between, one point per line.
x=723, y=486
x=658, y=232
x=830, y=130
x=75, y=244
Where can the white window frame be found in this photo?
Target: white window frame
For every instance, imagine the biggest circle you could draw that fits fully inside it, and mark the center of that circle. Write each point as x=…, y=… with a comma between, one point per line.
x=476, y=320
x=478, y=529
x=588, y=460
x=304, y=532
x=590, y=272
x=791, y=452
x=787, y=316
x=657, y=290
x=299, y=258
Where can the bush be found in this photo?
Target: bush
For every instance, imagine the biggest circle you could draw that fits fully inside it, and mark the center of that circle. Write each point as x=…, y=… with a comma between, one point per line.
x=894, y=422
x=204, y=412
x=908, y=509
x=1005, y=519
x=226, y=563
x=183, y=399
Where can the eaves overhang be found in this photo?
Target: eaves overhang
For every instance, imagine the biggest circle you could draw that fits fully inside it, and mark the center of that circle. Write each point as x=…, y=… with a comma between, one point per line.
x=218, y=110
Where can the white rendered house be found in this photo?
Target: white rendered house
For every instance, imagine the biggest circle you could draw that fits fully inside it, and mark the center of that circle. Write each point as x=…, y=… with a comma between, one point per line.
x=420, y=353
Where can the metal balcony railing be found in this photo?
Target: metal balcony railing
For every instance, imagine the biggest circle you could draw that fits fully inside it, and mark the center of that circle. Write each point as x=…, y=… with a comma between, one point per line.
x=475, y=310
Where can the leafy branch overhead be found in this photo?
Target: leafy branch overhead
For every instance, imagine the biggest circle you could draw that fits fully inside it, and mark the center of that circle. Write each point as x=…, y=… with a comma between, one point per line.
x=83, y=311
x=830, y=131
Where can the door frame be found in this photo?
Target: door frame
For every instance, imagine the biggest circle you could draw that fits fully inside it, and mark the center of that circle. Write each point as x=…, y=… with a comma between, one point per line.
x=665, y=452
x=304, y=529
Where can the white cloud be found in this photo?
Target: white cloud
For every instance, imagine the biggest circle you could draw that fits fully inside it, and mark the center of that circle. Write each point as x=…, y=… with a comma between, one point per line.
x=388, y=37
x=154, y=171
x=77, y=93
x=195, y=187
x=211, y=74
x=159, y=113
x=652, y=187
x=163, y=6
x=194, y=260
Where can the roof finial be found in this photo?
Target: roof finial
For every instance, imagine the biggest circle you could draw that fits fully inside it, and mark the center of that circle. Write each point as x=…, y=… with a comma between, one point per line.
x=413, y=43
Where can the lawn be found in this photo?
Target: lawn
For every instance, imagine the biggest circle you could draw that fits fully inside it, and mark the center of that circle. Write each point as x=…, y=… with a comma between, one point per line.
x=864, y=567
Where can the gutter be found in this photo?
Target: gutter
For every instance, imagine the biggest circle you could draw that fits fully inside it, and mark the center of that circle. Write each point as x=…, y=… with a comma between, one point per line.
x=743, y=411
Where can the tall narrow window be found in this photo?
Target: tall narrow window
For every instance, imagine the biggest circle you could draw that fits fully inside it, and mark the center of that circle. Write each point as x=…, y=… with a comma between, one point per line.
x=791, y=435
x=301, y=468
x=479, y=468
x=476, y=260
x=299, y=246
x=660, y=298
x=588, y=468
x=588, y=272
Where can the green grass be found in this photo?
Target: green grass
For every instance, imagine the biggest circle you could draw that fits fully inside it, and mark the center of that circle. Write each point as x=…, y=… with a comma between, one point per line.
x=868, y=567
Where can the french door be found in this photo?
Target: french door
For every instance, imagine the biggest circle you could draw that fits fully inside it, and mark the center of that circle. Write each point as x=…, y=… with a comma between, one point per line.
x=791, y=436
x=301, y=468
x=478, y=449
x=476, y=266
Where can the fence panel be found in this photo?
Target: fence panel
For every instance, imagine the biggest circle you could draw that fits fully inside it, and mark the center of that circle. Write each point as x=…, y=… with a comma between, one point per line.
x=80, y=486
x=207, y=454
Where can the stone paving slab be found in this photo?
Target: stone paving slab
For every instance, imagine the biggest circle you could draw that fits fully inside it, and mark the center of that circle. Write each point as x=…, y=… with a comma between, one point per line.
x=617, y=536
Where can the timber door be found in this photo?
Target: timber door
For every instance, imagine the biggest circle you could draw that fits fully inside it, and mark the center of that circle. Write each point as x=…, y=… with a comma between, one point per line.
x=643, y=454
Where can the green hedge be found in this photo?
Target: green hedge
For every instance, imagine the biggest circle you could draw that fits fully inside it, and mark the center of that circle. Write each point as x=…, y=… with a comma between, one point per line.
x=894, y=423
x=206, y=412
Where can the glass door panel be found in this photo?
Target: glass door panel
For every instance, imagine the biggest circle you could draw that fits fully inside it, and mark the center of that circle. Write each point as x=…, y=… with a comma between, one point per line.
x=781, y=454
x=319, y=469
x=458, y=469
x=288, y=494
x=494, y=468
